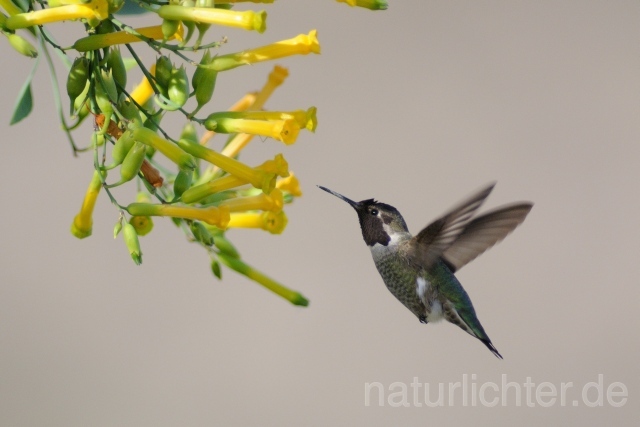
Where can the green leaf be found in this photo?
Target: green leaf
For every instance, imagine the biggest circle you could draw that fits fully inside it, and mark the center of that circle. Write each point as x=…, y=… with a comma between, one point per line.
x=24, y=103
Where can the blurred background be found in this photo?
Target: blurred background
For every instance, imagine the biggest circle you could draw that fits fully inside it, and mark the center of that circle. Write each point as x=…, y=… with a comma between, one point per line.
x=418, y=106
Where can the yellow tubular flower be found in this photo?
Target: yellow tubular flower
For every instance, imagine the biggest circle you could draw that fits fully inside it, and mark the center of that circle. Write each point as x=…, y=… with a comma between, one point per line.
x=83, y=222
x=94, y=10
x=290, y=184
x=275, y=79
x=274, y=223
x=243, y=103
x=218, y=217
x=246, y=20
x=259, y=179
x=99, y=41
x=277, y=166
x=304, y=119
x=248, y=100
x=143, y=92
x=199, y=192
x=285, y=130
x=272, y=202
x=300, y=45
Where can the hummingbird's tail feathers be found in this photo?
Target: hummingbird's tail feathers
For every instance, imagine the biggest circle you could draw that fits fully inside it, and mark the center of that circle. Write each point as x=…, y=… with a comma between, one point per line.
x=435, y=238
x=483, y=232
x=491, y=347
x=468, y=322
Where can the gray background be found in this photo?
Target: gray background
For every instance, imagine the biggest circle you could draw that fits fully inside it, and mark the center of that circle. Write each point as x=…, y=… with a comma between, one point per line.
x=418, y=106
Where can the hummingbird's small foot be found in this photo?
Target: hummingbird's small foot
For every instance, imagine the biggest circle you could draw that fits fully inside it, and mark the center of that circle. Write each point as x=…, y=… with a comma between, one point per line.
x=423, y=319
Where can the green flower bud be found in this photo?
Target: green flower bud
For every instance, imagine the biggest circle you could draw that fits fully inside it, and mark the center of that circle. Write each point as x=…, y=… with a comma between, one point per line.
x=105, y=27
x=133, y=244
x=115, y=63
x=169, y=28
x=182, y=182
x=22, y=46
x=108, y=85
x=128, y=109
x=77, y=79
x=201, y=234
x=163, y=73
x=117, y=228
x=178, y=89
x=204, y=82
x=80, y=105
x=121, y=148
x=131, y=164
x=106, y=95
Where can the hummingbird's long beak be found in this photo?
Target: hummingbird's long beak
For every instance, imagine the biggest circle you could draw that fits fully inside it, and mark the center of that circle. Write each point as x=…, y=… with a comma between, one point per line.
x=353, y=204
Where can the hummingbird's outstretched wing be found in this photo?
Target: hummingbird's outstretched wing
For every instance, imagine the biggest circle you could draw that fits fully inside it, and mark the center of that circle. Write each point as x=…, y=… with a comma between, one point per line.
x=483, y=232
x=427, y=247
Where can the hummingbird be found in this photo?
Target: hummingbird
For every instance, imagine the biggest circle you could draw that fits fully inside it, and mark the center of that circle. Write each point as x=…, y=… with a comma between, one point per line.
x=419, y=270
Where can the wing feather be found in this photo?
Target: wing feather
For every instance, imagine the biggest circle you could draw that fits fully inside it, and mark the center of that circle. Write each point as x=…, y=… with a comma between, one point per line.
x=483, y=232
x=428, y=245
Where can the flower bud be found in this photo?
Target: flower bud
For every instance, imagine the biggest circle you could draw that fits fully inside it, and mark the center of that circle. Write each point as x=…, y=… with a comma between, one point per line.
x=117, y=228
x=22, y=45
x=133, y=244
x=163, y=73
x=169, y=28
x=115, y=63
x=77, y=79
x=203, y=82
x=178, y=88
x=131, y=164
x=201, y=234
x=120, y=150
x=182, y=182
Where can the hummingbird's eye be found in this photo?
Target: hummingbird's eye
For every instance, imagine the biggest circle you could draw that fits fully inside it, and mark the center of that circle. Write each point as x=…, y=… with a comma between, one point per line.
x=373, y=212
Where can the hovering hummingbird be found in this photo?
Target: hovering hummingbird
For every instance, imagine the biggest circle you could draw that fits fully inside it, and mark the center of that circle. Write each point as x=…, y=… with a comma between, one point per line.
x=419, y=270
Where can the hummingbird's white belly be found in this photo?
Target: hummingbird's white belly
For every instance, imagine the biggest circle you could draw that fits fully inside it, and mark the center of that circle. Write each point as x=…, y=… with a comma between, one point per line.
x=433, y=307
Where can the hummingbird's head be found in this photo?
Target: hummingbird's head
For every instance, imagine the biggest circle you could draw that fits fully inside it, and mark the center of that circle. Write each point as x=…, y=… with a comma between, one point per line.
x=379, y=222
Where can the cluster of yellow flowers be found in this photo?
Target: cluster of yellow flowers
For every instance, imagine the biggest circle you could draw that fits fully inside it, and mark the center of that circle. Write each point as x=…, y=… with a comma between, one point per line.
x=210, y=191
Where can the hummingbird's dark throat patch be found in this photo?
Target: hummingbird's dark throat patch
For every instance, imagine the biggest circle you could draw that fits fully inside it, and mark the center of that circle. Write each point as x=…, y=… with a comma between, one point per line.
x=371, y=223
